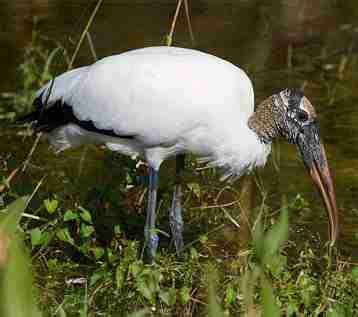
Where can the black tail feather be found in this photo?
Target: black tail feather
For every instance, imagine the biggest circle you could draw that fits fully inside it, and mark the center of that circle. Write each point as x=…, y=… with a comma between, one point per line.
x=59, y=114
x=47, y=118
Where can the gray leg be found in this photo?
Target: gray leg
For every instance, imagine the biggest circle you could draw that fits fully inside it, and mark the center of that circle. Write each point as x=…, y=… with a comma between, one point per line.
x=175, y=213
x=151, y=237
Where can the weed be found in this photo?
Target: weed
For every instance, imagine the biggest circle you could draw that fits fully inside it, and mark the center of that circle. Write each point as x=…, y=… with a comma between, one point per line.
x=39, y=66
x=268, y=283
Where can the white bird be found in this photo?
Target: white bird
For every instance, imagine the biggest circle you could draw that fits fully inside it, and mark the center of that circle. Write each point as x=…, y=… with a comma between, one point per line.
x=159, y=102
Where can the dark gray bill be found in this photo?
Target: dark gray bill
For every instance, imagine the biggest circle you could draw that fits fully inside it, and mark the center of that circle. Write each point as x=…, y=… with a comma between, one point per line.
x=315, y=159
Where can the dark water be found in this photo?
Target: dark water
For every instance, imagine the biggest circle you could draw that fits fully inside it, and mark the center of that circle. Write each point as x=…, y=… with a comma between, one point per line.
x=279, y=43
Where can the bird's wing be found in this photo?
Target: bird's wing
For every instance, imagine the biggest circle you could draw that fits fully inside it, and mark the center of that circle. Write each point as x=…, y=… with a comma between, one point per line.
x=60, y=87
x=50, y=111
x=159, y=93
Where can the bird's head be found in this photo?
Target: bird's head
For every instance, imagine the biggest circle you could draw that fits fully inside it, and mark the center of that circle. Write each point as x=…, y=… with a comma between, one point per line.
x=291, y=115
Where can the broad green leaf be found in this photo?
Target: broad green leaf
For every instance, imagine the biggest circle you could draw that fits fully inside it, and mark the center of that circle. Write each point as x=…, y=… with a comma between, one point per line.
x=86, y=230
x=36, y=237
x=70, y=215
x=16, y=285
x=64, y=235
x=194, y=255
x=117, y=229
x=17, y=301
x=85, y=248
x=86, y=215
x=51, y=205
x=184, y=295
x=143, y=288
x=98, y=252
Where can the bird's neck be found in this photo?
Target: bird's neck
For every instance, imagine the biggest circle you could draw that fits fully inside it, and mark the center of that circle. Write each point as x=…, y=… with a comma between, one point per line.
x=266, y=120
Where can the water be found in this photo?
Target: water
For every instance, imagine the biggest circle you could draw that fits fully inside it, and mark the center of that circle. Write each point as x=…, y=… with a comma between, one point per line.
x=279, y=44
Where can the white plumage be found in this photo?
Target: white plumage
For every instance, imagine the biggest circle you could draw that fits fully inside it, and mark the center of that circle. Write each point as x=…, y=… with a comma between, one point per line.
x=171, y=99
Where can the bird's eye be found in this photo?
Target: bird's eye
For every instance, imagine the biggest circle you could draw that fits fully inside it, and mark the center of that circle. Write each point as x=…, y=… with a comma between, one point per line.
x=302, y=116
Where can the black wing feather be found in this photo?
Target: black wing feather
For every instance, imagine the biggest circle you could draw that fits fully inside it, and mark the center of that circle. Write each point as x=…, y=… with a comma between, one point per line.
x=46, y=119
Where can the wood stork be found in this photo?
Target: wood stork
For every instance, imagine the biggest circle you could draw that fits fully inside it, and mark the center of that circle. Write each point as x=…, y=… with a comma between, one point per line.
x=159, y=102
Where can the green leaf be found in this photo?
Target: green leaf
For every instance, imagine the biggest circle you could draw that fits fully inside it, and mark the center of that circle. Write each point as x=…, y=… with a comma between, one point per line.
x=336, y=311
x=135, y=268
x=98, y=252
x=355, y=273
x=146, y=292
x=85, y=248
x=36, y=237
x=276, y=236
x=194, y=255
x=64, y=235
x=356, y=236
x=96, y=276
x=86, y=230
x=70, y=215
x=148, y=283
x=61, y=312
x=117, y=229
x=86, y=215
x=269, y=306
x=45, y=238
x=168, y=297
x=195, y=188
x=11, y=219
x=230, y=296
x=51, y=205
x=184, y=295
x=16, y=289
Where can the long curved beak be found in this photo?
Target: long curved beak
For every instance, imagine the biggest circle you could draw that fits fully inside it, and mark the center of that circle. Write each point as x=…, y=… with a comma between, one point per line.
x=315, y=159
x=322, y=178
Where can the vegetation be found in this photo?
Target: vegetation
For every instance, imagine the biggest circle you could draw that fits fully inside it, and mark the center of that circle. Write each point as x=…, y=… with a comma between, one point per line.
x=75, y=275
x=86, y=245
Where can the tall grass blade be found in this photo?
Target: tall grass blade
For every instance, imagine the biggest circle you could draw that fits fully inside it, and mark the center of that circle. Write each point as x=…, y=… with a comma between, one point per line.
x=214, y=308
x=269, y=306
x=17, y=298
x=276, y=236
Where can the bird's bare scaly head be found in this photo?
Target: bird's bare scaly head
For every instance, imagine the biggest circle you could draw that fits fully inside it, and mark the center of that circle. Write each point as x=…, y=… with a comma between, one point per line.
x=291, y=115
x=297, y=114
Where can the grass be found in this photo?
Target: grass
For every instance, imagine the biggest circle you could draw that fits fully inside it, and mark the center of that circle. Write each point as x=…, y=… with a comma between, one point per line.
x=86, y=251
x=74, y=276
